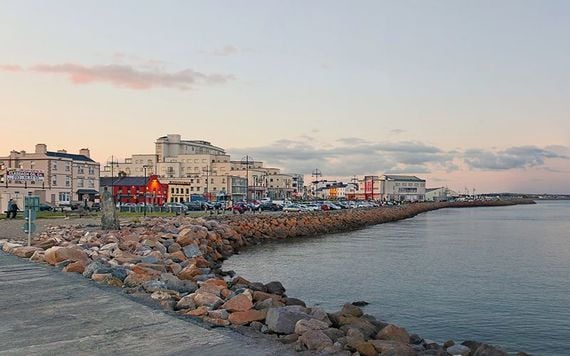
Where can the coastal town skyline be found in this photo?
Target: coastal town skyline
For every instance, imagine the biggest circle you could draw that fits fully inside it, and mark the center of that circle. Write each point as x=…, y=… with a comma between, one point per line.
x=390, y=91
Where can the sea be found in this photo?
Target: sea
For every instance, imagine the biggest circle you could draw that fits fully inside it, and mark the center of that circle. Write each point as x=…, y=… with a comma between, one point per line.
x=499, y=275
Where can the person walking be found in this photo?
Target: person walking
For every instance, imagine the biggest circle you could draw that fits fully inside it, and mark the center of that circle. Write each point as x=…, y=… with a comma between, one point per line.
x=12, y=209
x=9, y=208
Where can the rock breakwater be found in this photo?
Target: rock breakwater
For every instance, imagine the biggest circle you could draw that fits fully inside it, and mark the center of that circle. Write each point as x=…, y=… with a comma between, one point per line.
x=178, y=263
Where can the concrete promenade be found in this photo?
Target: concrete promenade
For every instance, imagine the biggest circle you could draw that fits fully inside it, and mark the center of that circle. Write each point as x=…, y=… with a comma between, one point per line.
x=45, y=311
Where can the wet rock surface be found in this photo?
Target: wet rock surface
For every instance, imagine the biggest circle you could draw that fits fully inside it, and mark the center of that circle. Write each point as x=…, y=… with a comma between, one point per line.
x=177, y=262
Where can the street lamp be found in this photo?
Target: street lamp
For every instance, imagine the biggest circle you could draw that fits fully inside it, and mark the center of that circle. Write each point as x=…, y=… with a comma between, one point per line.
x=145, y=188
x=316, y=173
x=247, y=161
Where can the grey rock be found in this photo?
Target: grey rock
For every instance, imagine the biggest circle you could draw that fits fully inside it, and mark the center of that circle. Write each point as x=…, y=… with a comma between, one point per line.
x=154, y=286
x=458, y=350
x=275, y=287
x=96, y=266
x=119, y=273
x=294, y=301
x=488, y=350
x=192, y=251
x=174, y=283
x=282, y=320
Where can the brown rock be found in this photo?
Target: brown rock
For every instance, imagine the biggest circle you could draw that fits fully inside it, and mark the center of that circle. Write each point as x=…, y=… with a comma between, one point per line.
x=215, y=321
x=200, y=311
x=207, y=299
x=189, y=272
x=178, y=256
x=25, y=251
x=137, y=279
x=238, y=303
x=392, y=347
x=100, y=277
x=366, y=349
x=77, y=267
x=259, y=296
x=246, y=317
x=394, y=333
x=55, y=255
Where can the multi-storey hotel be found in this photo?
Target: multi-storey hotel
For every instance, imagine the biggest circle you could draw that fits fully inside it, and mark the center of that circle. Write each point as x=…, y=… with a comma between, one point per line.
x=198, y=167
x=58, y=178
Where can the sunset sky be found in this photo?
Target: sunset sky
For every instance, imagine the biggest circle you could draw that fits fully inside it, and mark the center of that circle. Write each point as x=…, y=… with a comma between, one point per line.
x=469, y=94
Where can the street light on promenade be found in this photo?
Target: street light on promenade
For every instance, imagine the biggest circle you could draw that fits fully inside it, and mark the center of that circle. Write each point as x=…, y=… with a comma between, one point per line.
x=316, y=173
x=145, y=190
x=247, y=161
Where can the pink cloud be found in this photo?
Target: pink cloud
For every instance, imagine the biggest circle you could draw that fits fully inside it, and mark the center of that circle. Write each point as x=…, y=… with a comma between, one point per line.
x=10, y=68
x=127, y=76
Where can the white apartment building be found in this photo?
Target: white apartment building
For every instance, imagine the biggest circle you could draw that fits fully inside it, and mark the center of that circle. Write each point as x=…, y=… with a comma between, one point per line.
x=58, y=178
x=402, y=188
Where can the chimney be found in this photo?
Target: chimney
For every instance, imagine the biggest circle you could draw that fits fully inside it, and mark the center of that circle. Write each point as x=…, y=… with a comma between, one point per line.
x=41, y=148
x=84, y=152
x=61, y=151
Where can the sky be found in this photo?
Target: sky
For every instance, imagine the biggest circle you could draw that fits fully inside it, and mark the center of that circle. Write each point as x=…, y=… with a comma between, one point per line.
x=467, y=94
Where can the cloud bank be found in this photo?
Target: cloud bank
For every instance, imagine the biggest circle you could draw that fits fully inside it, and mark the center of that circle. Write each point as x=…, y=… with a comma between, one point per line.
x=127, y=76
x=355, y=156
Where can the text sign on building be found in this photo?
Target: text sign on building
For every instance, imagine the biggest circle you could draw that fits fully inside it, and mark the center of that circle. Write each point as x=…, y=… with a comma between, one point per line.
x=29, y=175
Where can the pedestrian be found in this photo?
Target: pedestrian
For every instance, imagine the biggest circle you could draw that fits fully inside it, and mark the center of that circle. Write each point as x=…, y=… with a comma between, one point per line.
x=13, y=209
x=9, y=208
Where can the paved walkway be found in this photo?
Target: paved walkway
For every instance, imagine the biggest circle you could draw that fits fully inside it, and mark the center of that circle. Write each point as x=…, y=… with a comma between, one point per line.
x=45, y=311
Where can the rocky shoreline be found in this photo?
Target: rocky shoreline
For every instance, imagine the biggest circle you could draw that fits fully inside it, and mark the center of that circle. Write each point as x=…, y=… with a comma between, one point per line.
x=178, y=263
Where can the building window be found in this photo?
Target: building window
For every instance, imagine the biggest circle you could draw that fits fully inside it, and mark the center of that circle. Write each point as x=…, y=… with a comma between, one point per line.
x=67, y=167
x=54, y=180
x=67, y=181
x=80, y=183
x=80, y=170
x=187, y=191
x=172, y=190
x=191, y=189
x=54, y=166
x=91, y=170
x=91, y=183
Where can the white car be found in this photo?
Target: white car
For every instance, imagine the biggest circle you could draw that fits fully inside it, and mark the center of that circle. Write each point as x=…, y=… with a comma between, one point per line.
x=294, y=208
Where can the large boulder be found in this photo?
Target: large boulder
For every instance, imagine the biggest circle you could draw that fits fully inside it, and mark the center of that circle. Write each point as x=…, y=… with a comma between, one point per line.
x=246, y=317
x=282, y=320
x=25, y=251
x=275, y=288
x=304, y=325
x=57, y=254
x=238, y=303
x=387, y=347
x=208, y=300
x=315, y=340
x=394, y=333
x=192, y=251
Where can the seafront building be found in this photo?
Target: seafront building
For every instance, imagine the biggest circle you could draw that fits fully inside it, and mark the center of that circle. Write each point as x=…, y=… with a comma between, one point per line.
x=391, y=187
x=57, y=177
x=440, y=194
x=196, y=167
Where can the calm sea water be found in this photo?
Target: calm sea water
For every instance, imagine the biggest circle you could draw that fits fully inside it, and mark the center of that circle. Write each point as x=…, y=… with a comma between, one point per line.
x=499, y=275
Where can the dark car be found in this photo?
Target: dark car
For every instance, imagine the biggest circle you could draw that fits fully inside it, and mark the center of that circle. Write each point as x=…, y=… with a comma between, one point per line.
x=269, y=206
x=45, y=207
x=194, y=206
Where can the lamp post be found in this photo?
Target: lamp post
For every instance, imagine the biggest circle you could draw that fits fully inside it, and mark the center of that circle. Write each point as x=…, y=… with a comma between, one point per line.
x=247, y=161
x=316, y=173
x=145, y=188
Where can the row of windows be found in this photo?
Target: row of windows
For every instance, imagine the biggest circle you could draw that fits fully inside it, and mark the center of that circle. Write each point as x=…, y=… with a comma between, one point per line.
x=411, y=184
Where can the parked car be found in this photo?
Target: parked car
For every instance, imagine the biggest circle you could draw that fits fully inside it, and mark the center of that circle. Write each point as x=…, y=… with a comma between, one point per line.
x=269, y=206
x=194, y=205
x=294, y=208
x=176, y=207
x=46, y=207
x=238, y=208
x=313, y=207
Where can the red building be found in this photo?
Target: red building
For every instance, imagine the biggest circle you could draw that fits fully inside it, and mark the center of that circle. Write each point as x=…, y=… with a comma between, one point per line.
x=133, y=189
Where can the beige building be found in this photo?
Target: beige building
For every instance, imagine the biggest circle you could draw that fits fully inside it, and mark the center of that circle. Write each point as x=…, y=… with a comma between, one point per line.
x=58, y=178
x=192, y=163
